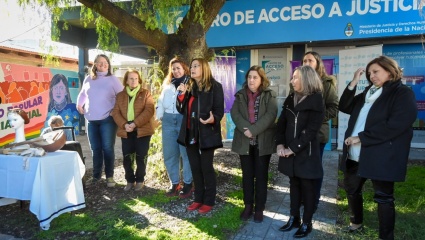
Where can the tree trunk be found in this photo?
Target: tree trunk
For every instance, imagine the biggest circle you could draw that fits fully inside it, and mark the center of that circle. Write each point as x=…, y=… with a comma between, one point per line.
x=178, y=45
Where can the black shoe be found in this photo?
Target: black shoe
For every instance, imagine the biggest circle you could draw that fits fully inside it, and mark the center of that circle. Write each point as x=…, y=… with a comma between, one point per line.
x=186, y=191
x=247, y=212
x=304, y=230
x=292, y=222
x=258, y=216
x=173, y=190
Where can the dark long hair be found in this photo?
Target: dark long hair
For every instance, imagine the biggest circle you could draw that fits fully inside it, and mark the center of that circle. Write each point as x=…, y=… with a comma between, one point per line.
x=55, y=80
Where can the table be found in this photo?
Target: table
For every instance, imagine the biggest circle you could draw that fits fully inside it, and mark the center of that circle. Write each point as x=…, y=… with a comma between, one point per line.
x=52, y=183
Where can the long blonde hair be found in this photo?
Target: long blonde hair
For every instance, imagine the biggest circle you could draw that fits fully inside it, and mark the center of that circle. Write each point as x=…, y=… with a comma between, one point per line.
x=170, y=76
x=205, y=83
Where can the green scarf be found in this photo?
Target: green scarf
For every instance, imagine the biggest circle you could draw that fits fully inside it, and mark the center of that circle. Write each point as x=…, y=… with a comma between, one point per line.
x=132, y=94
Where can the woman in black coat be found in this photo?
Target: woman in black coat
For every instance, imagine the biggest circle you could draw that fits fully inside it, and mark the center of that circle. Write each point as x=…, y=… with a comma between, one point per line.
x=202, y=104
x=377, y=140
x=298, y=146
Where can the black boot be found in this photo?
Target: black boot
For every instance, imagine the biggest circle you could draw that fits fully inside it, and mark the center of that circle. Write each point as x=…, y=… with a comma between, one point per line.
x=247, y=212
x=386, y=215
x=186, y=191
x=304, y=230
x=292, y=222
x=173, y=190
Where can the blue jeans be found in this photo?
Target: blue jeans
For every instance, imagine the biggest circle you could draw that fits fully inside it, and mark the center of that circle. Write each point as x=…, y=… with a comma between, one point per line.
x=101, y=134
x=172, y=151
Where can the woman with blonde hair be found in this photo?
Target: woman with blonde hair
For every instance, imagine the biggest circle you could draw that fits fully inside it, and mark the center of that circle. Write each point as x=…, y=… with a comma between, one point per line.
x=133, y=112
x=202, y=104
x=171, y=119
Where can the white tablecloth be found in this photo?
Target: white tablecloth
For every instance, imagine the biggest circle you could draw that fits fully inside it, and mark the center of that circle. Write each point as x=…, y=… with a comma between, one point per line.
x=52, y=183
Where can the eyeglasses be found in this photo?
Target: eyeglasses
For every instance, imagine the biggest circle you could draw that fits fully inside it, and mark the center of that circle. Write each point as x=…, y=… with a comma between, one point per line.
x=102, y=63
x=195, y=66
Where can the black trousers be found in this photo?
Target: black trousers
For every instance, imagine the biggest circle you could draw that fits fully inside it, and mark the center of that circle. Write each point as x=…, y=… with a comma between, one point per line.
x=255, y=176
x=139, y=146
x=384, y=196
x=201, y=164
x=302, y=189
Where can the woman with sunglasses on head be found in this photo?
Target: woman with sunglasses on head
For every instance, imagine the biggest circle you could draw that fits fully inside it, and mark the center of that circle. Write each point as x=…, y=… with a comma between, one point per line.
x=171, y=119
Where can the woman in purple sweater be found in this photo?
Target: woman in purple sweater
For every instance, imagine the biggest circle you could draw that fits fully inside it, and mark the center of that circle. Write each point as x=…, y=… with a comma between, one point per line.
x=96, y=101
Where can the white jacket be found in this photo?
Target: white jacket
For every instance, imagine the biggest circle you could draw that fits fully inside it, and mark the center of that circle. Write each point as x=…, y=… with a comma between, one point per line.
x=167, y=101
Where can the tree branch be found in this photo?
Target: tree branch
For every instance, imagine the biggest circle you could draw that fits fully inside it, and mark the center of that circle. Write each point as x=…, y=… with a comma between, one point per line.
x=128, y=23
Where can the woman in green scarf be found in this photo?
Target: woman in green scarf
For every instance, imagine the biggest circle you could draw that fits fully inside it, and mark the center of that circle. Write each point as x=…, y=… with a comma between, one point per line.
x=133, y=112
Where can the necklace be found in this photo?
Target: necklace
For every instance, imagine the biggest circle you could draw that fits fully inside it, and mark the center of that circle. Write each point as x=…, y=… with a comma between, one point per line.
x=60, y=106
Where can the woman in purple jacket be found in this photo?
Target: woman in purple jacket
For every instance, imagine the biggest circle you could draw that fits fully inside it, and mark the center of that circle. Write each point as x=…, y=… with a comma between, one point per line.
x=96, y=101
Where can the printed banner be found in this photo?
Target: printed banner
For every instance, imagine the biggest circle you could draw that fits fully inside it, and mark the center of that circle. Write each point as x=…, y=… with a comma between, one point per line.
x=411, y=57
x=41, y=93
x=349, y=61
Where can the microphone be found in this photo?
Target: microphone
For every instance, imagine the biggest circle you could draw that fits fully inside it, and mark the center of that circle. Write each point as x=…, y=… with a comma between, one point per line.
x=186, y=79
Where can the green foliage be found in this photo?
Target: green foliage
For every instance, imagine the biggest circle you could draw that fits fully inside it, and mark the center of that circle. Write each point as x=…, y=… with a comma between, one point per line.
x=108, y=35
x=410, y=208
x=155, y=164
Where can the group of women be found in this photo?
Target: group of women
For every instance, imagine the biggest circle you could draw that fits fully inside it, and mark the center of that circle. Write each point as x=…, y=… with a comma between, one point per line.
x=191, y=106
x=381, y=118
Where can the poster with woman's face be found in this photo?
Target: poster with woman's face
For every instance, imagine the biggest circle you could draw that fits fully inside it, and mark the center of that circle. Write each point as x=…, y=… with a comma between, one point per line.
x=60, y=101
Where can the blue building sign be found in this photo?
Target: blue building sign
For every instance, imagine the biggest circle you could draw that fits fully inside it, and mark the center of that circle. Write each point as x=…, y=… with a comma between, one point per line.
x=272, y=21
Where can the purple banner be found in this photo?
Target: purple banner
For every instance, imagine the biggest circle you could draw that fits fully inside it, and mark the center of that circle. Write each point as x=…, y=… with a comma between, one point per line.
x=224, y=71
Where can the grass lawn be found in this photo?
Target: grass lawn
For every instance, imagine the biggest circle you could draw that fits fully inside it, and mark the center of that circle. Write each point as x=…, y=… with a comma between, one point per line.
x=410, y=208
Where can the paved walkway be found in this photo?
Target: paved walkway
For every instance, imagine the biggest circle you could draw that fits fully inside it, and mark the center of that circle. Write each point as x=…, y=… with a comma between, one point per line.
x=277, y=207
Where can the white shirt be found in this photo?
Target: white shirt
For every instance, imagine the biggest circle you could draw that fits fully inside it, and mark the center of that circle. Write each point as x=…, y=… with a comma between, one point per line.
x=167, y=101
x=354, y=149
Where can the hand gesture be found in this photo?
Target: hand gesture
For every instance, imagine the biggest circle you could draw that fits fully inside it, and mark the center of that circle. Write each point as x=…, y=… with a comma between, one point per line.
x=280, y=150
x=247, y=133
x=352, y=140
x=356, y=78
x=182, y=87
x=209, y=120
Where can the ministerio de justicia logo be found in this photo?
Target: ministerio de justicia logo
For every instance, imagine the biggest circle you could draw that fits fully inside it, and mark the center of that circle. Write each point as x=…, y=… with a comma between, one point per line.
x=349, y=30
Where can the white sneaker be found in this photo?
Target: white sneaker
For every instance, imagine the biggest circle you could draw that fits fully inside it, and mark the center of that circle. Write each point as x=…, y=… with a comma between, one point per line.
x=110, y=182
x=128, y=186
x=139, y=186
